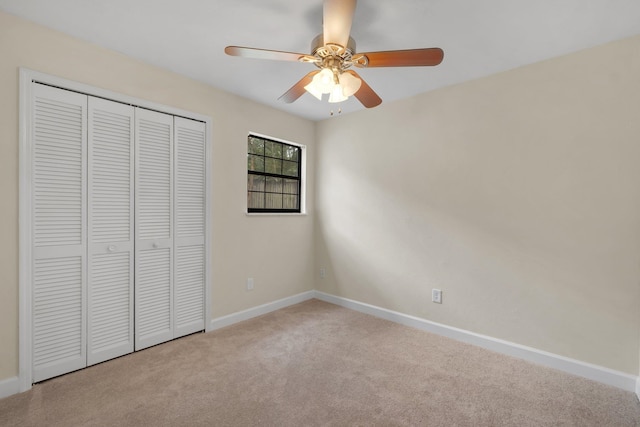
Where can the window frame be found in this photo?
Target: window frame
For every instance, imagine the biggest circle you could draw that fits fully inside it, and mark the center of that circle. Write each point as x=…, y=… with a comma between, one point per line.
x=300, y=178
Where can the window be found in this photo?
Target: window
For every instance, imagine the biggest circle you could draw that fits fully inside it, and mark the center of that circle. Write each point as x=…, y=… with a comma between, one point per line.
x=274, y=176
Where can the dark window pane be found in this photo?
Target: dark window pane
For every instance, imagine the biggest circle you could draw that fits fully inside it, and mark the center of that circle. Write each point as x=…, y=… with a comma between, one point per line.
x=255, y=163
x=255, y=182
x=274, y=185
x=290, y=186
x=274, y=201
x=290, y=153
x=273, y=149
x=256, y=146
x=273, y=166
x=255, y=200
x=289, y=168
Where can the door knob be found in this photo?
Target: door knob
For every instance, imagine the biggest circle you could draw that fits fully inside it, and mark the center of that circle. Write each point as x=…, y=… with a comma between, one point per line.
x=155, y=245
x=111, y=248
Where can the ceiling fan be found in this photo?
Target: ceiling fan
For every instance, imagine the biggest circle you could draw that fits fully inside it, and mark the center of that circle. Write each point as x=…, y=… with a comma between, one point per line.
x=334, y=52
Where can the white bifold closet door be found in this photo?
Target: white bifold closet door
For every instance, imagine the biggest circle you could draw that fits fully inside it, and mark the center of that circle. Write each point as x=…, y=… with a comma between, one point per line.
x=59, y=120
x=118, y=208
x=189, y=240
x=170, y=231
x=110, y=225
x=154, y=228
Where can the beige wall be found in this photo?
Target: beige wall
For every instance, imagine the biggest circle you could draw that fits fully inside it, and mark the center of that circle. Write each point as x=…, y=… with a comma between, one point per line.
x=516, y=194
x=242, y=246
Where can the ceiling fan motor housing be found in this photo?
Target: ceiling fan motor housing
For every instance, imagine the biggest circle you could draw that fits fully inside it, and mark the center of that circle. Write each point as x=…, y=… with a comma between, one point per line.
x=331, y=55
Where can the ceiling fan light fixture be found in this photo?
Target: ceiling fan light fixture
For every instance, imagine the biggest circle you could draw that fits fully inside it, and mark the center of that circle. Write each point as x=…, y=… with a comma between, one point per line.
x=326, y=81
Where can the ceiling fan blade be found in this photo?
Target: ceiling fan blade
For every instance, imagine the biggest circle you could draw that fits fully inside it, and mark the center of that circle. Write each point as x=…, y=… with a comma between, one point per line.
x=297, y=90
x=255, y=53
x=400, y=58
x=336, y=21
x=365, y=94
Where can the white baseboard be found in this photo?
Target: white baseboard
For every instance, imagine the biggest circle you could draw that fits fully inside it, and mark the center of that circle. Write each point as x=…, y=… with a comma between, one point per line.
x=587, y=370
x=221, y=322
x=9, y=386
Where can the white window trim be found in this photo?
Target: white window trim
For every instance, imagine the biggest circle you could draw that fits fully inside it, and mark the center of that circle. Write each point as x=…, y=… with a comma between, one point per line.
x=303, y=178
x=27, y=77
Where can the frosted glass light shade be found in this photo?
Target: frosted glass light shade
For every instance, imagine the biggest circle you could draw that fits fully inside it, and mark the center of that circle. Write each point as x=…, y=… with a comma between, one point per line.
x=350, y=84
x=337, y=94
x=313, y=90
x=324, y=80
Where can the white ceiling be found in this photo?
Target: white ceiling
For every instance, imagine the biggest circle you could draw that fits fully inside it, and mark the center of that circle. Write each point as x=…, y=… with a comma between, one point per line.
x=478, y=37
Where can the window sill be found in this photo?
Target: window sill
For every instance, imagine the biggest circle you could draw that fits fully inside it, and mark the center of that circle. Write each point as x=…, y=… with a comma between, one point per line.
x=275, y=214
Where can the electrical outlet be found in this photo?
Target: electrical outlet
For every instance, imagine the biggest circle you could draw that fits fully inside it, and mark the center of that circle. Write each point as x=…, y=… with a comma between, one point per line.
x=436, y=296
x=250, y=284
x=323, y=273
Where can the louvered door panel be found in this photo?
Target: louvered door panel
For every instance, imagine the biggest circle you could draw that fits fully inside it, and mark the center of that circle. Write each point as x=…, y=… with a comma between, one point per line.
x=58, y=326
x=155, y=152
x=110, y=221
x=190, y=178
x=189, y=289
x=190, y=148
x=59, y=219
x=153, y=291
x=154, y=228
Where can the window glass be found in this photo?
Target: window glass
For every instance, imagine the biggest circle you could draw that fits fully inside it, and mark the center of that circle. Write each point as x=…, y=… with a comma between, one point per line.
x=256, y=163
x=273, y=149
x=273, y=166
x=256, y=146
x=290, y=168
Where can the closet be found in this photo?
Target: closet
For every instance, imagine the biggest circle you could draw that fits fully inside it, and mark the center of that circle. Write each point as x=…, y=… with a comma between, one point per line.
x=118, y=220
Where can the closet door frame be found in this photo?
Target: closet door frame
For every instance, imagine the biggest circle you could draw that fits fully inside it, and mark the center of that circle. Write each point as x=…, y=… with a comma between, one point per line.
x=27, y=78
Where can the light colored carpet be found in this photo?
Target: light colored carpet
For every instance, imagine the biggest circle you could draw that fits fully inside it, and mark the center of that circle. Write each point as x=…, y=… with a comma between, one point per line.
x=318, y=364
